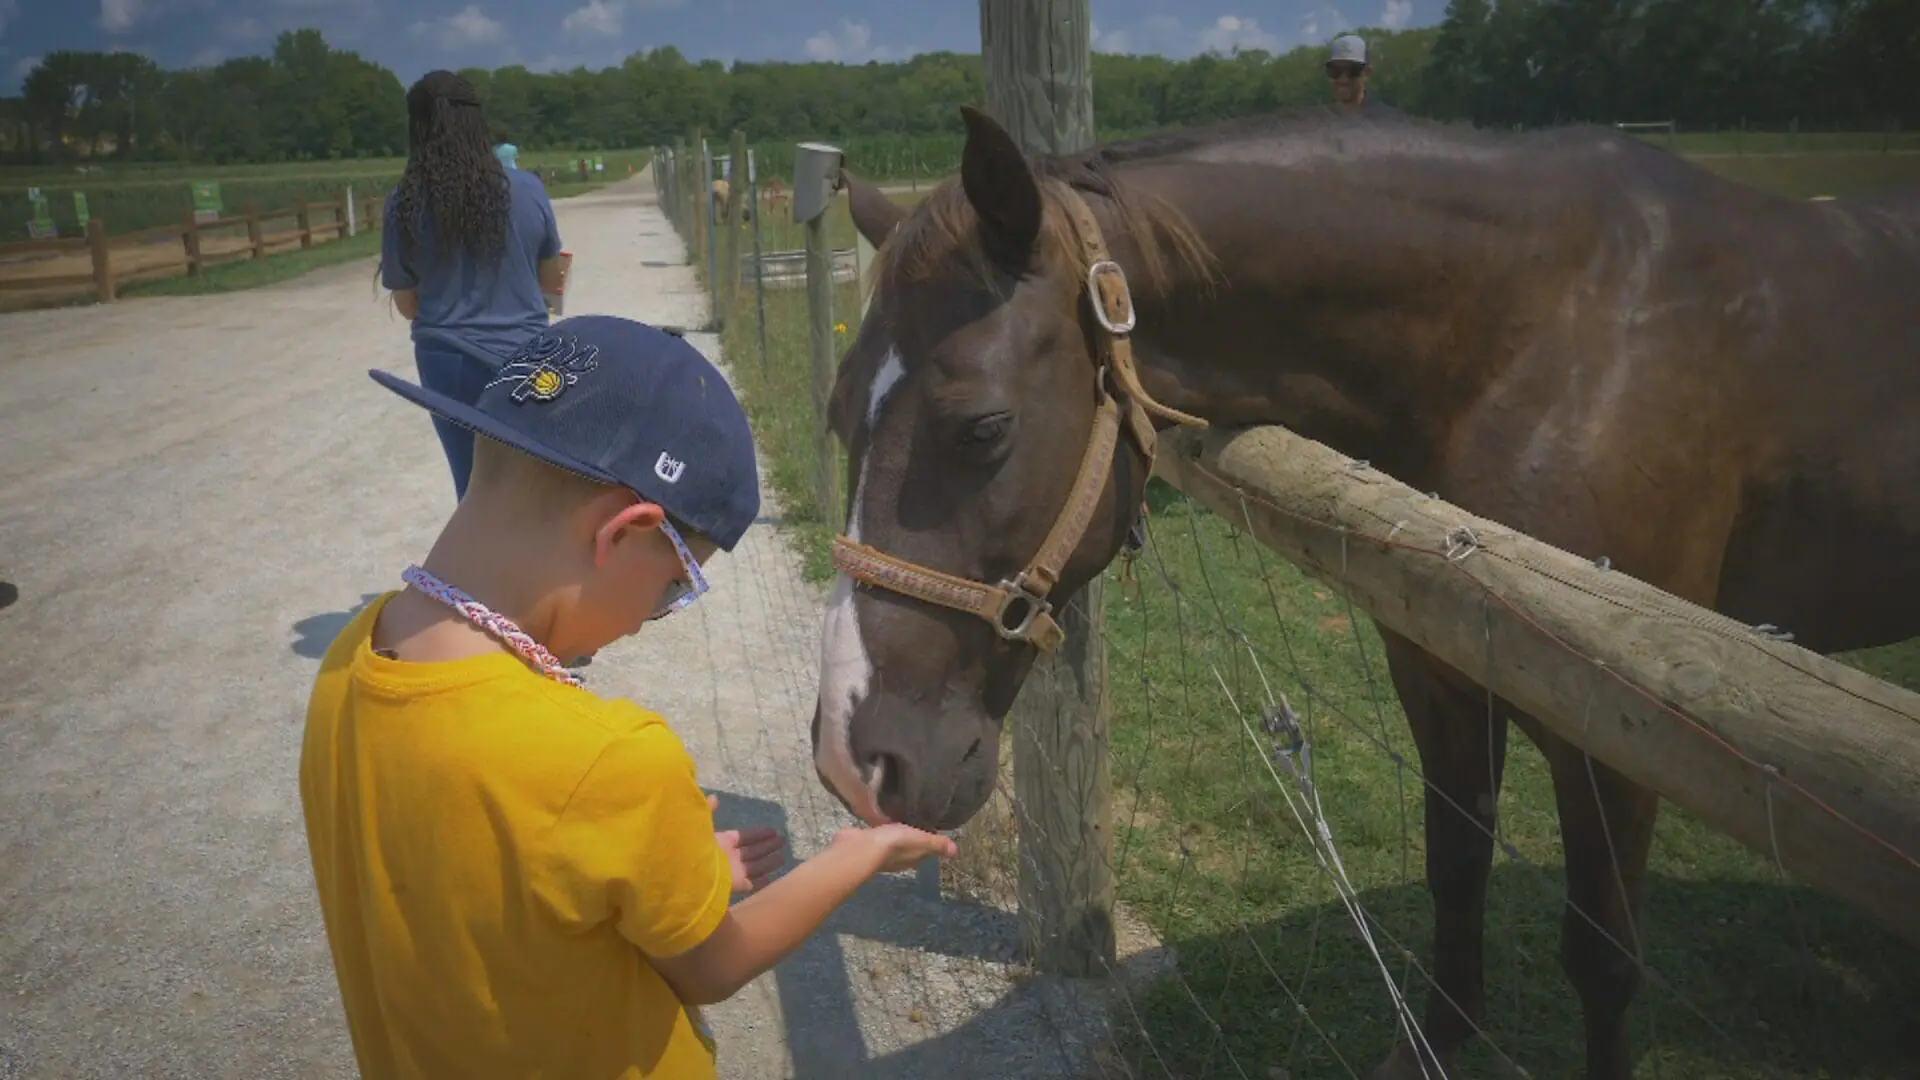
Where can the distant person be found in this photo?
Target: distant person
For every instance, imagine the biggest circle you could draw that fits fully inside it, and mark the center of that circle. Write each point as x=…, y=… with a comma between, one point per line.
x=518, y=877
x=1347, y=70
x=470, y=249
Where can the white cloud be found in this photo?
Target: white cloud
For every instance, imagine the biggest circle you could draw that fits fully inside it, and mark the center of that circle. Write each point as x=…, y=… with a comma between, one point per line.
x=245, y=28
x=851, y=44
x=1322, y=24
x=463, y=29
x=1154, y=34
x=118, y=16
x=600, y=18
x=1231, y=33
x=1165, y=35
x=24, y=67
x=1396, y=14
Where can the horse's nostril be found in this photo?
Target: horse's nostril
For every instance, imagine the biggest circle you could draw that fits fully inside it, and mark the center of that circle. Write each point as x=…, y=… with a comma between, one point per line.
x=892, y=774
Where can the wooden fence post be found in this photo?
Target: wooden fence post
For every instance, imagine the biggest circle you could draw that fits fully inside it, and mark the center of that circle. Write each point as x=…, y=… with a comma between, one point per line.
x=342, y=214
x=807, y=174
x=303, y=218
x=190, y=239
x=1038, y=60
x=255, y=236
x=736, y=192
x=102, y=253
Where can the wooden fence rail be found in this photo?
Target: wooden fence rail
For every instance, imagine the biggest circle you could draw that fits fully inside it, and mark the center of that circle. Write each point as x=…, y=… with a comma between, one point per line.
x=1803, y=759
x=310, y=220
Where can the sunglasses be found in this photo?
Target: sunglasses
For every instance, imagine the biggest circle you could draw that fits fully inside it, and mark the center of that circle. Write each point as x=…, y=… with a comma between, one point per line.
x=1345, y=71
x=681, y=592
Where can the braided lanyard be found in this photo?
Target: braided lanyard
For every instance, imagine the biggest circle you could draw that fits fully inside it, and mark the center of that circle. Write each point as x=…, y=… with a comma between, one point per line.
x=494, y=623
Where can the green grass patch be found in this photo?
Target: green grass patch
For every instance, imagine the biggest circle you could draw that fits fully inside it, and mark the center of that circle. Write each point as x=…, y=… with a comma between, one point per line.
x=242, y=274
x=134, y=197
x=1829, y=174
x=1758, y=977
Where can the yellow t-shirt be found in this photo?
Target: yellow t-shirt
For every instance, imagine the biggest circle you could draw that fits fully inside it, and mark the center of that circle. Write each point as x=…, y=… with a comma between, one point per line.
x=494, y=852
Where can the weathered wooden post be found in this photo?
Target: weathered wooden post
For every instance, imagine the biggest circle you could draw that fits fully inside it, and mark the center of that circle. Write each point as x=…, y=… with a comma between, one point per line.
x=102, y=252
x=303, y=220
x=816, y=172
x=759, y=262
x=730, y=220
x=190, y=239
x=707, y=176
x=1038, y=56
x=256, y=237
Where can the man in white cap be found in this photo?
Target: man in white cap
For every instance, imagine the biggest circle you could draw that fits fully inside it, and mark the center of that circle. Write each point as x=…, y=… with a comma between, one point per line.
x=1347, y=70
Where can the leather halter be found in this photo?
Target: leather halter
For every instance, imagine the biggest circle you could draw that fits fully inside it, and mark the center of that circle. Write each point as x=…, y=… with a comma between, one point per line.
x=1017, y=607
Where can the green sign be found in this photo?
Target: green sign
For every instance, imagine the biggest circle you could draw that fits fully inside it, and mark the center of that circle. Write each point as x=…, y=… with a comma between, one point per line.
x=40, y=226
x=80, y=209
x=206, y=200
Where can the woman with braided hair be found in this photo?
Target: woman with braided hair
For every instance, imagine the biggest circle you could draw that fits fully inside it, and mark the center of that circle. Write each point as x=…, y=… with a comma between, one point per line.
x=469, y=250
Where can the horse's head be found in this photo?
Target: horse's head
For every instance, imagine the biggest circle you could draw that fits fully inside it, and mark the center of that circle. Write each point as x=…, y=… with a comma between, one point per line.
x=997, y=450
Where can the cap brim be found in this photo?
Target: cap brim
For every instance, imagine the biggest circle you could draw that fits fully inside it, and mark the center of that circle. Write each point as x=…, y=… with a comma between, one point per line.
x=481, y=424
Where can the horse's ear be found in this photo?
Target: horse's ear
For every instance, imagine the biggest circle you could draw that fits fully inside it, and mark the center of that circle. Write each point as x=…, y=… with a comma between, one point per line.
x=1000, y=185
x=874, y=214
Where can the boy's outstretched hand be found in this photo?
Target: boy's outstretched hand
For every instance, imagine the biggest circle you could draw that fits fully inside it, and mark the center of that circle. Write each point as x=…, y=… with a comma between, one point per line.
x=901, y=847
x=754, y=853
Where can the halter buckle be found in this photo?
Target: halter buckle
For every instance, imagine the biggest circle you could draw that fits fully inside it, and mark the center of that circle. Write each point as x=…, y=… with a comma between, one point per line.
x=1125, y=296
x=1032, y=607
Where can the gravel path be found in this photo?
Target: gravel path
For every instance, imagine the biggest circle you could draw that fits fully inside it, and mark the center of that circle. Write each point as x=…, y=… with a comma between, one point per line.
x=195, y=493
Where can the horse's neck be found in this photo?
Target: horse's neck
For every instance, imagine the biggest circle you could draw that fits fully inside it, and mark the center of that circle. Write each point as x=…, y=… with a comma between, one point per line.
x=1352, y=314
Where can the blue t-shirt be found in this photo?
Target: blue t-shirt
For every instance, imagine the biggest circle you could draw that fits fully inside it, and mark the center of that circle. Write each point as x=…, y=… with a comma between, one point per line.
x=495, y=306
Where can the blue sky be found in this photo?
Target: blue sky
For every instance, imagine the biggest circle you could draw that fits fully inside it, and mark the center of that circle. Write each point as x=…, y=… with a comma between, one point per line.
x=414, y=37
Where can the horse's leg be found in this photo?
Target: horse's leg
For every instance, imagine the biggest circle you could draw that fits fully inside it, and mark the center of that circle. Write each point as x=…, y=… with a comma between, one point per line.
x=1606, y=828
x=1463, y=753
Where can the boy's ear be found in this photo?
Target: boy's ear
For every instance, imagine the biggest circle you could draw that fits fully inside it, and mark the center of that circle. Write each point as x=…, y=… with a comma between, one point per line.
x=639, y=516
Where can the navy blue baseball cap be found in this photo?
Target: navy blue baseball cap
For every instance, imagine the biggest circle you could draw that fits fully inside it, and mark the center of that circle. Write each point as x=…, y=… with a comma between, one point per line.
x=623, y=403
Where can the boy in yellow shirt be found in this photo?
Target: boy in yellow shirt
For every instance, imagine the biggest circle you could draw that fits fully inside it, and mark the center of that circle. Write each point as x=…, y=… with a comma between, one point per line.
x=518, y=877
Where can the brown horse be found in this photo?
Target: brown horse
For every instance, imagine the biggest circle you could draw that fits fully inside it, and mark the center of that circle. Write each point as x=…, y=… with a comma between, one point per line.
x=1574, y=333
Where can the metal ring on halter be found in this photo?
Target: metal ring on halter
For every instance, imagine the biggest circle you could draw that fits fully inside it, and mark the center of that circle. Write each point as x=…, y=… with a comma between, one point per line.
x=1093, y=292
x=1015, y=590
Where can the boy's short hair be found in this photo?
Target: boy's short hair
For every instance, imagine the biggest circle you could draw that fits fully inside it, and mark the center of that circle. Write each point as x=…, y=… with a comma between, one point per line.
x=619, y=402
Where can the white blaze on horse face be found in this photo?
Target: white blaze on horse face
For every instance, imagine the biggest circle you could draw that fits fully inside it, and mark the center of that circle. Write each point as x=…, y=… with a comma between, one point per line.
x=846, y=673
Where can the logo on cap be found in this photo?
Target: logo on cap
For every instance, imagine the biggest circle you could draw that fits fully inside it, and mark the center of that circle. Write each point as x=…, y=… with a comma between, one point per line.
x=668, y=468
x=546, y=366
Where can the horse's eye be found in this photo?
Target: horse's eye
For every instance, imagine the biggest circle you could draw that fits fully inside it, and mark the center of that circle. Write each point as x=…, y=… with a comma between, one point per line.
x=986, y=431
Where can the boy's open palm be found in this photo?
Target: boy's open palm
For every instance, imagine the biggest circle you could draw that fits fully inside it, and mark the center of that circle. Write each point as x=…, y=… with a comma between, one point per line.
x=902, y=847
x=753, y=853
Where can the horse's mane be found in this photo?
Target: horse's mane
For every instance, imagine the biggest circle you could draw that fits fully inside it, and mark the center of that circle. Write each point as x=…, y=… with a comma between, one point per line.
x=944, y=231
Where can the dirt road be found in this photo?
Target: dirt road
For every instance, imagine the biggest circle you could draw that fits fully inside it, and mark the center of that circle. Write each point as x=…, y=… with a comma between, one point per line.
x=195, y=493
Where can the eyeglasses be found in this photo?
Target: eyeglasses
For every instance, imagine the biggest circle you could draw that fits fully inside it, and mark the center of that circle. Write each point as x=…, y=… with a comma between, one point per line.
x=1345, y=70
x=681, y=592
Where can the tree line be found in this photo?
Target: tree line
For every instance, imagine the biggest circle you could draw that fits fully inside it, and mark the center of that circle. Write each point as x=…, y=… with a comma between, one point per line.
x=1705, y=63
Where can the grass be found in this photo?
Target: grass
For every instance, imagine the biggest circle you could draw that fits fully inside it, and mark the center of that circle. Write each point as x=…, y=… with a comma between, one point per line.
x=1759, y=978
x=241, y=274
x=134, y=197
